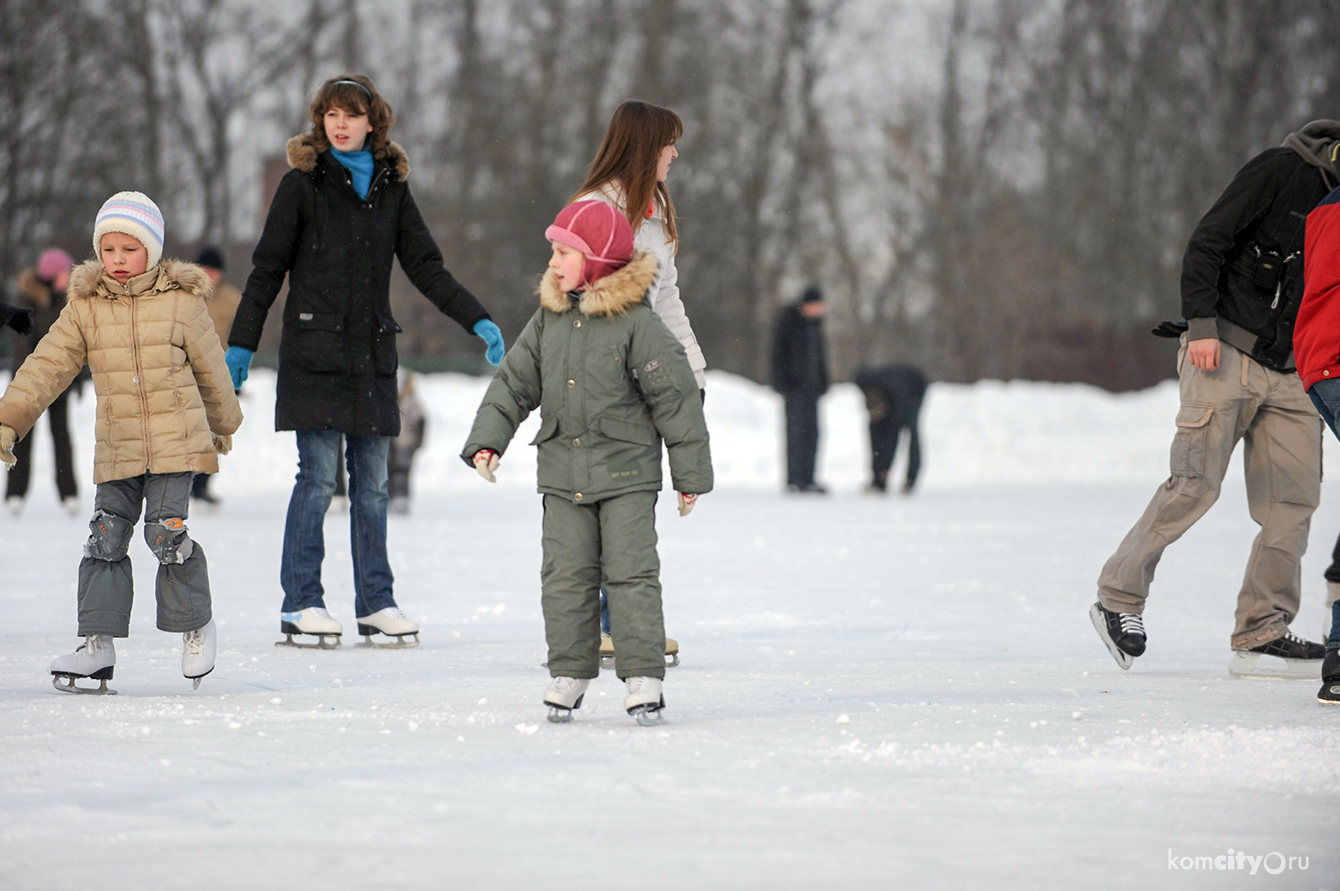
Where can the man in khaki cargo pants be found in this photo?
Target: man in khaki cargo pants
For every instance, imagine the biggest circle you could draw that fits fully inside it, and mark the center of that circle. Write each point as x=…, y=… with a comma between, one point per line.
x=1241, y=287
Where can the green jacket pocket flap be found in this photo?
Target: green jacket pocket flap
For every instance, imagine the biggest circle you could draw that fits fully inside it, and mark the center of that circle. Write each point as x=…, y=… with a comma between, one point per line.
x=548, y=430
x=627, y=431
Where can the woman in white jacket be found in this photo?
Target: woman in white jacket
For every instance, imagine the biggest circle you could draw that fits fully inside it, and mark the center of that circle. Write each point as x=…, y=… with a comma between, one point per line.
x=629, y=172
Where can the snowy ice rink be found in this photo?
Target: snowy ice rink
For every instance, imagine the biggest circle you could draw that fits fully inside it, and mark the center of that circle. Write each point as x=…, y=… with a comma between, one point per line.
x=875, y=692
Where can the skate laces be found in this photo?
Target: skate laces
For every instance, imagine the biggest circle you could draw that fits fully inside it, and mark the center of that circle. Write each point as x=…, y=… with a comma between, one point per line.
x=1132, y=623
x=194, y=641
x=564, y=685
x=1294, y=638
x=637, y=685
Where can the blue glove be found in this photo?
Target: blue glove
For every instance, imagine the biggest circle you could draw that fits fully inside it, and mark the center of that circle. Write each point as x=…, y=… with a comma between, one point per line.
x=239, y=360
x=493, y=337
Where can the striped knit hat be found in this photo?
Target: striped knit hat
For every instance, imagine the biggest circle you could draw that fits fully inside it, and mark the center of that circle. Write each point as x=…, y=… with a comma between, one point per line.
x=133, y=214
x=597, y=230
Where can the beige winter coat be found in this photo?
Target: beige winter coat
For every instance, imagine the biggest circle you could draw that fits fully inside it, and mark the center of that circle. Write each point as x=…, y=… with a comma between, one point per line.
x=157, y=368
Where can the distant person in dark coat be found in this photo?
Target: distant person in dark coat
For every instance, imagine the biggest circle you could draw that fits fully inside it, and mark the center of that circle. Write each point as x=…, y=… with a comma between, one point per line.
x=800, y=374
x=42, y=290
x=893, y=396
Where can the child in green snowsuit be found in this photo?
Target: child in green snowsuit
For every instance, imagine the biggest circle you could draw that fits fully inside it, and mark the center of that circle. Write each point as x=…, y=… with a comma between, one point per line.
x=611, y=382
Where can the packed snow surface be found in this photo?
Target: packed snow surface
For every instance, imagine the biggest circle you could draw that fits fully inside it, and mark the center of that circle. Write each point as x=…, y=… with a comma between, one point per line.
x=876, y=692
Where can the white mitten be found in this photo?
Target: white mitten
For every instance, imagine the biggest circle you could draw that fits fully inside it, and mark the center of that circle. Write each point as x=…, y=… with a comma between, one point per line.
x=222, y=444
x=686, y=503
x=486, y=461
x=7, y=439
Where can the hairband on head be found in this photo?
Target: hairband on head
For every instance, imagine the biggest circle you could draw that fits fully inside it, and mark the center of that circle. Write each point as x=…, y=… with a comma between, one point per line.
x=356, y=84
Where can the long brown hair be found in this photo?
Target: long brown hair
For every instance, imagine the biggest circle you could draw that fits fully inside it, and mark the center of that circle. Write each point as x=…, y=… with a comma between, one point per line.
x=628, y=155
x=355, y=94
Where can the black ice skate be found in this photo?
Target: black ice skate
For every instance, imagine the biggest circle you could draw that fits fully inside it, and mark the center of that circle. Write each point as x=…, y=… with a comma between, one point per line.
x=1302, y=659
x=1329, y=694
x=1123, y=633
x=94, y=659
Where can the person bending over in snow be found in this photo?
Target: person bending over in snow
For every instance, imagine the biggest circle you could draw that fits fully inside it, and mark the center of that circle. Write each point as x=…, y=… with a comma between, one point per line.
x=611, y=381
x=166, y=411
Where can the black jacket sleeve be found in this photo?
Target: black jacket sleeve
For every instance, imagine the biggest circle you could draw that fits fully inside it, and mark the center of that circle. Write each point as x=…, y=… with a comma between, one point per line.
x=274, y=256
x=1243, y=204
x=422, y=261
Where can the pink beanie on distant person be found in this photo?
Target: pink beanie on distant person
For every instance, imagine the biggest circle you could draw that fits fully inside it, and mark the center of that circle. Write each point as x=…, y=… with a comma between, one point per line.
x=599, y=231
x=52, y=263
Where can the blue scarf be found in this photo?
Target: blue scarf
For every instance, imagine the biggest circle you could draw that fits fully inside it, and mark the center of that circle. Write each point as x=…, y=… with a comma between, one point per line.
x=360, y=165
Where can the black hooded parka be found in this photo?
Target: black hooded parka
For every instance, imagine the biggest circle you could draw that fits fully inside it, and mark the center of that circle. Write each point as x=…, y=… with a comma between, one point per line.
x=337, y=353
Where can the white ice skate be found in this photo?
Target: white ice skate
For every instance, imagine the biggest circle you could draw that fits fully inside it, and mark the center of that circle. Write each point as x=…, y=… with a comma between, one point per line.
x=1292, y=658
x=197, y=652
x=562, y=696
x=645, y=701
x=391, y=622
x=314, y=621
x=94, y=659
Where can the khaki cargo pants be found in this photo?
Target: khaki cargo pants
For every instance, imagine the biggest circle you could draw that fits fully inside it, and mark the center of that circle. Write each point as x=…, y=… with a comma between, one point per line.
x=616, y=536
x=1281, y=434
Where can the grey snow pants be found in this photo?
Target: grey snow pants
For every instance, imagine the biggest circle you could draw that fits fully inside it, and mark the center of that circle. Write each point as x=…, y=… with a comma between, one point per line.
x=616, y=536
x=1281, y=434
x=106, y=586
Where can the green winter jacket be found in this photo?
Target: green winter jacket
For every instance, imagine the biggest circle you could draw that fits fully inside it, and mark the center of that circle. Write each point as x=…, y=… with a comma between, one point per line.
x=610, y=381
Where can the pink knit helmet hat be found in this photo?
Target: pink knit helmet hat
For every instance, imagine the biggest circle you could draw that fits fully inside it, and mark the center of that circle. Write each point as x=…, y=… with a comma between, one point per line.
x=599, y=231
x=52, y=263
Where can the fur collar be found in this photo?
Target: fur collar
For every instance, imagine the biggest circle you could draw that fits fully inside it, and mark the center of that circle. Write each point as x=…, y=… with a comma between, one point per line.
x=33, y=290
x=86, y=280
x=302, y=155
x=614, y=294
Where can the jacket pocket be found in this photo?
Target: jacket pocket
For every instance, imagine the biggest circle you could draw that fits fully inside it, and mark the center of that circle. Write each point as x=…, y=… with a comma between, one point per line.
x=548, y=430
x=384, y=358
x=319, y=342
x=627, y=431
x=1189, y=445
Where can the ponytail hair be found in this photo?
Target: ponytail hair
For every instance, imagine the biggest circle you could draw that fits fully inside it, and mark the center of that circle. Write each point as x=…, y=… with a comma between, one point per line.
x=627, y=158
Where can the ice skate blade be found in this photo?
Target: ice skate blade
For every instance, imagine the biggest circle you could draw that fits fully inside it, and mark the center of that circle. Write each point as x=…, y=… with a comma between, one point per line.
x=1124, y=659
x=559, y=715
x=648, y=715
x=321, y=644
x=71, y=687
x=400, y=642
x=1244, y=665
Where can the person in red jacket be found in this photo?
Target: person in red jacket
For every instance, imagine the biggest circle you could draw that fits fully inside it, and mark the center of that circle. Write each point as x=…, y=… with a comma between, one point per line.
x=1316, y=347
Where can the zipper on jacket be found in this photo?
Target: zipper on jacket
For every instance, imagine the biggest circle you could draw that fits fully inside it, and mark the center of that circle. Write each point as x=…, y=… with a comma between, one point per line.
x=139, y=372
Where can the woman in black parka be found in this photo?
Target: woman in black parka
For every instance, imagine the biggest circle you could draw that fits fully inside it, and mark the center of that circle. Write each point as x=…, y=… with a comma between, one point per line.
x=339, y=220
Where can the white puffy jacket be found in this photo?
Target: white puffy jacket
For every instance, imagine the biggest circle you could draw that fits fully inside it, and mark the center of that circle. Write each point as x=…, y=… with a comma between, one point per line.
x=664, y=293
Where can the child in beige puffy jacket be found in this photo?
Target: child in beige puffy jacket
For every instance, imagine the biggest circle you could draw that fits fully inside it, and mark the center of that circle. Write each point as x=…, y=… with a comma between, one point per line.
x=166, y=410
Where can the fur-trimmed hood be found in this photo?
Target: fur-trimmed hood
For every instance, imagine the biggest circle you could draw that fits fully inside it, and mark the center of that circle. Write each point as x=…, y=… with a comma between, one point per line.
x=302, y=154
x=86, y=279
x=614, y=294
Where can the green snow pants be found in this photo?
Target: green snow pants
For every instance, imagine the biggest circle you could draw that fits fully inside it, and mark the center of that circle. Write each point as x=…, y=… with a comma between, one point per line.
x=616, y=537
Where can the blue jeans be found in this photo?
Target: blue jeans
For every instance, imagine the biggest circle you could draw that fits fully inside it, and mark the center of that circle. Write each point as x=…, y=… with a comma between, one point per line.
x=1325, y=395
x=304, y=539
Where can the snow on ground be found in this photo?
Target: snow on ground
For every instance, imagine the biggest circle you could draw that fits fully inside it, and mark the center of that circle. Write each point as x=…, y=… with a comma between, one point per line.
x=876, y=692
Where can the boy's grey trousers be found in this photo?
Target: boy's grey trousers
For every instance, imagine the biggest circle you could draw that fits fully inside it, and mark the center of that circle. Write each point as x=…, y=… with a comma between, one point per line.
x=105, y=582
x=616, y=536
x=1281, y=435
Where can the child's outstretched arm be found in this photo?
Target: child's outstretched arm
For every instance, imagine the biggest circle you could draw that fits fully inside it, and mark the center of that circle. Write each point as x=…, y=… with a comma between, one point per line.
x=670, y=391
x=45, y=374
x=514, y=393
